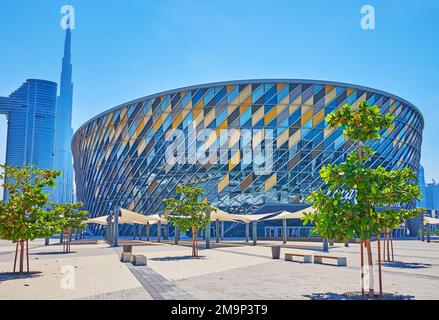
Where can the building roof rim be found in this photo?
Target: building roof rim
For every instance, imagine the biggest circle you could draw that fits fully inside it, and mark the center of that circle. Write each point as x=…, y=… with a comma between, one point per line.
x=41, y=80
x=250, y=81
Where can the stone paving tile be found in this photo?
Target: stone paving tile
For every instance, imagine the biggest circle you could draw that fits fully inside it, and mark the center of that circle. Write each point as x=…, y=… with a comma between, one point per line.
x=129, y=294
x=156, y=285
x=97, y=272
x=223, y=273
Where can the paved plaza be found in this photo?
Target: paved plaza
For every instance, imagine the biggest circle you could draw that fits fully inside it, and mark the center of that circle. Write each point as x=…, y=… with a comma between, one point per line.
x=231, y=270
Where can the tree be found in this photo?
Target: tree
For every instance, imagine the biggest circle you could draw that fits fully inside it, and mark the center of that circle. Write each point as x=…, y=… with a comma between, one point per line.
x=397, y=190
x=25, y=215
x=71, y=217
x=188, y=212
x=362, y=214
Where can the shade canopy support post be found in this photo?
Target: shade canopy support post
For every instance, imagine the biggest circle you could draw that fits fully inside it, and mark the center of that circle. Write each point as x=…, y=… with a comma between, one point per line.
x=428, y=233
x=159, y=231
x=284, y=230
x=134, y=231
x=247, y=232
x=116, y=227
x=217, y=226
x=176, y=236
x=423, y=230
x=255, y=233
x=167, y=231
x=207, y=236
x=325, y=245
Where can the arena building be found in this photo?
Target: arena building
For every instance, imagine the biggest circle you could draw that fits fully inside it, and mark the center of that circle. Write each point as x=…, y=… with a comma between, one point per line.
x=253, y=146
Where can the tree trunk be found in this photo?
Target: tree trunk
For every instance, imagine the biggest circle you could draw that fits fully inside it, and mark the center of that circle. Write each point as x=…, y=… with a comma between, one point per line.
x=21, y=256
x=27, y=255
x=388, y=246
x=362, y=266
x=380, y=274
x=194, y=241
x=15, y=259
x=391, y=243
x=370, y=270
x=360, y=159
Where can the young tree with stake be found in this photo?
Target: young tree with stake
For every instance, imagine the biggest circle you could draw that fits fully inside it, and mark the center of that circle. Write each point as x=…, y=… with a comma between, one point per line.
x=25, y=216
x=360, y=216
x=71, y=217
x=188, y=212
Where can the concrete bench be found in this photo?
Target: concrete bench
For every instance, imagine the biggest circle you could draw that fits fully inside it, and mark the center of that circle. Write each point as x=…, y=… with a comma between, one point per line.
x=139, y=260
x=307, y=258
x=126, y=257
x=341, y=261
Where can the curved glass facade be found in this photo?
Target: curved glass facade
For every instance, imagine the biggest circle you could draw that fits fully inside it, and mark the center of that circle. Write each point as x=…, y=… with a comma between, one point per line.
x=122, y=156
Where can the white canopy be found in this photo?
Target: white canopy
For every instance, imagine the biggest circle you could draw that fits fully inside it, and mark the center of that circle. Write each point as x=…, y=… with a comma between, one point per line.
x=243, y=218
x=429, y=220
x=220, y=215
x=156, y=218
x=283, y=215
x=98, y=220
x=129, y=217
x=217, y=215
x=247, y=218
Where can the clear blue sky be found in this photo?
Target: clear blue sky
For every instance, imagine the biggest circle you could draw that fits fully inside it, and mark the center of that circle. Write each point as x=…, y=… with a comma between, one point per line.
x=124, y=50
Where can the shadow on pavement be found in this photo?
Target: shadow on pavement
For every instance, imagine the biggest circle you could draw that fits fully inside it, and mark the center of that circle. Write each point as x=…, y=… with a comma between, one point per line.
x=8, y=276
x=53, y=253
x=178, y=258
x=356, y=296
x=407, y=265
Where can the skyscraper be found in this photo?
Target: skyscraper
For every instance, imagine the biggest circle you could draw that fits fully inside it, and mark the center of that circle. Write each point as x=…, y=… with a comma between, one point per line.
x=30, y=111
x=432, y=192
x=422, y=203
x=64, y=132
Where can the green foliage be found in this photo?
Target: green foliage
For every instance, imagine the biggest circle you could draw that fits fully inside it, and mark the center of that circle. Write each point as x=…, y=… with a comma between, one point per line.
x=24, y=216
x=362, y=124
x=71, y=216
x=188, y=211
x=374, y=192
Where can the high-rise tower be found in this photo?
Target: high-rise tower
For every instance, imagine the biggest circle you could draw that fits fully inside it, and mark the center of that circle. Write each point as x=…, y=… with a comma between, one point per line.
x=64, y=132
x=31, y=124
x=422, y=203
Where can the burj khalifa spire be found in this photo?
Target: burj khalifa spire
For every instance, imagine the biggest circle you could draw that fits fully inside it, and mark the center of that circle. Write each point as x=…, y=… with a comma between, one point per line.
x=63, y=193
